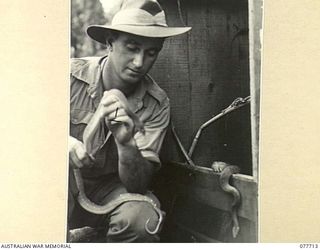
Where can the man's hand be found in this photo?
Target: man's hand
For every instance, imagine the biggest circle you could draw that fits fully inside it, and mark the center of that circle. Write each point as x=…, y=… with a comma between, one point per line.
x=78, y=157
x=117, y=119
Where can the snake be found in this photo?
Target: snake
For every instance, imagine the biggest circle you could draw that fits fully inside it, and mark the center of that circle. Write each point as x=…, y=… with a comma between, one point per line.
x=88, y=135
x=226, y=172
x=94, y=123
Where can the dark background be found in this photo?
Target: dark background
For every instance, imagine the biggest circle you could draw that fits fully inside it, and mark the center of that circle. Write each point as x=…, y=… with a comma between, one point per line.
x=202, y=72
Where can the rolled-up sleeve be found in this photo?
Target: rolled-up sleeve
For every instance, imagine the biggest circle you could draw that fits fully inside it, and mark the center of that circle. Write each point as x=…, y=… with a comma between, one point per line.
x=150, y=143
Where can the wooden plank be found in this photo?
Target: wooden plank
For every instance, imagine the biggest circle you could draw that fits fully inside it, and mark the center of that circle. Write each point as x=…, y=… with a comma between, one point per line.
x=196, y=236
x=171, y=71
x=238, y=137
x=203, y=92
x=255, y=19
x=203, y=72
x=218, y=74
x=204, y=187
x=194, y=199
x=194, y=218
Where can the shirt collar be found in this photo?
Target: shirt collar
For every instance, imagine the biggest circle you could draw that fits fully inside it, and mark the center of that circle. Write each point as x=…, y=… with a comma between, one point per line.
x=88, y=70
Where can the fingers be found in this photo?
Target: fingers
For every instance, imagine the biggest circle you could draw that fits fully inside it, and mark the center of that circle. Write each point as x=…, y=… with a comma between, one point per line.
x=75, y=161
x=108, y=100
x=78, y=157
x=111, y=108
x=122, y=118
x=115, y=113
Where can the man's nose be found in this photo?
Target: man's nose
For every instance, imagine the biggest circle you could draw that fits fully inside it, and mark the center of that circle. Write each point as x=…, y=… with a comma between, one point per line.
x=138, y=59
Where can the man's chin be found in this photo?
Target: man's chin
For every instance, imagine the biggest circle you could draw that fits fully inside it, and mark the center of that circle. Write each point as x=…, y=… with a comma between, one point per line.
x=133, y=79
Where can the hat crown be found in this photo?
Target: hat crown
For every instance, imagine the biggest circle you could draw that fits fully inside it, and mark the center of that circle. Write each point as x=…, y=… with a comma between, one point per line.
x=141, y=13
x=138, y=17
x=151, y=6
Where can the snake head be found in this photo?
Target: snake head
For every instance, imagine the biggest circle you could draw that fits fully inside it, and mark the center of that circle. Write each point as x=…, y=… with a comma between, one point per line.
x=139, y=127
x=141, y=130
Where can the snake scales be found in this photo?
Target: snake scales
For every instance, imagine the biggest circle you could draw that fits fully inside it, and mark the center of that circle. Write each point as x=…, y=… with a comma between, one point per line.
x=89, y=132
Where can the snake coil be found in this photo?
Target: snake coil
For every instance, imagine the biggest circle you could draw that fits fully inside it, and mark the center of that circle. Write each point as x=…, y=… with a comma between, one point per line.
x=87, y=138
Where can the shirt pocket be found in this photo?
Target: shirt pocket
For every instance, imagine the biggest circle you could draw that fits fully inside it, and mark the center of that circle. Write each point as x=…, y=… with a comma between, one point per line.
x=78, y=122
x=79, y=116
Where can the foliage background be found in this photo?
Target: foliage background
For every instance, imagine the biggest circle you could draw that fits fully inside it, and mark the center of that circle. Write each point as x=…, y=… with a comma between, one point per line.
x=83, y=14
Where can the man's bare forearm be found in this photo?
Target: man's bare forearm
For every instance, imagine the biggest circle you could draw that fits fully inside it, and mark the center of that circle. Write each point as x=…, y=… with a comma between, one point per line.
x=135, y=171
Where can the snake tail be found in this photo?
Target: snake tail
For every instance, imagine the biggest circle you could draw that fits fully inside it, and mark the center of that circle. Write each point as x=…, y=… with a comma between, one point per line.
x=224, y=179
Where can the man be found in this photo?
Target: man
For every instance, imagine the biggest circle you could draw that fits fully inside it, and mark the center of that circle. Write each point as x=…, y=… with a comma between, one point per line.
x=121, y=160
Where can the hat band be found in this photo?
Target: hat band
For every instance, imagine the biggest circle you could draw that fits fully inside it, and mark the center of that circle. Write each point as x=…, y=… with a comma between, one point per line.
x=139, y=17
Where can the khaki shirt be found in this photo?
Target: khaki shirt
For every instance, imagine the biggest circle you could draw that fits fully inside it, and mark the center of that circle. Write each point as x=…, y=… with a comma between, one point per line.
x=149, y=102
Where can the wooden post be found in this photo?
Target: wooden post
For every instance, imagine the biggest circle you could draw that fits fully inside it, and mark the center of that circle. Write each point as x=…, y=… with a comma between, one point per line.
x=255, y=35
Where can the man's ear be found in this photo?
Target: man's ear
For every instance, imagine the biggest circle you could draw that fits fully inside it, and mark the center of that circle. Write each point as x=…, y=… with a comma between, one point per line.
x=111, y=37
x=110, y=41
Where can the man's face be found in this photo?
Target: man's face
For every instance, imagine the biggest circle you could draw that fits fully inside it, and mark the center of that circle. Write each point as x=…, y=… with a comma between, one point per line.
x=133, y=56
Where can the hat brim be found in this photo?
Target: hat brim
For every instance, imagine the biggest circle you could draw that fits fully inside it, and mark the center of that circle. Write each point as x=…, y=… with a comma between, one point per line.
x=100, y=32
